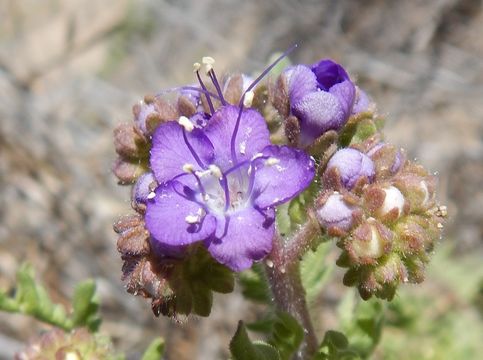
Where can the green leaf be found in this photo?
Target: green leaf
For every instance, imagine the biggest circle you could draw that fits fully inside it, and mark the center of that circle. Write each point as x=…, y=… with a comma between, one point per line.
x=85, y=306
x=155, y=350
x=362, y=323
x=242, y=348
x=7, y=304
x=315, y=271
x=335, y=346
x=254, y=285
x=32, y=299
x=287, y=334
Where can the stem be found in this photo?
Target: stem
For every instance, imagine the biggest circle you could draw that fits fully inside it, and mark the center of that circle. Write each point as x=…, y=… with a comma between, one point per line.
x=286, y=285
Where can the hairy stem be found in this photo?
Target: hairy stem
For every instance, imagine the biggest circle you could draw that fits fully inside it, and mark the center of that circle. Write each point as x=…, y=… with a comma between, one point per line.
x=286, y=285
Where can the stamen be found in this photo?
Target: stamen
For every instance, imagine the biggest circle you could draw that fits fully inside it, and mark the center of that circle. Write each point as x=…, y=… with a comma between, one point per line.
x=188, y=168
x=186, y=123
x=272, y=161
x=193, y=88
x=214, y=80
x=215, y=170
x=196, y=67
x=151, y=195
x=208, y=98
x=192, y=219
x=193, y=152
x=248, y=99
x=242, y=100
x=208, y=61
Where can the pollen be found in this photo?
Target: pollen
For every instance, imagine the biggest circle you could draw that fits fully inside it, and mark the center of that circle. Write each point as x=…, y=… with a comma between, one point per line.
x=196, y=67
x=208, y=61
x=151, y=195
x=272, y=161
x=215, y=170
x=248, y=99
x=188, y=168
x=192, y=219
x=186, y=123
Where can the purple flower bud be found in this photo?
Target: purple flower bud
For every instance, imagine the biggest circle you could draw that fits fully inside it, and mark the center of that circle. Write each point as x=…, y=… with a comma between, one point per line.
x=387, y=156
x=336, y=213
x=352, y=165
x=145, y=185
x=362, y=102
x=321, y=97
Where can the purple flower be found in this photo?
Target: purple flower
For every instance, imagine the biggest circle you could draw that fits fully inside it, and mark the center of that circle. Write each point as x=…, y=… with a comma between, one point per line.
x=351, y=165
x=336, y=213
x=321, y=97
x=219, y=184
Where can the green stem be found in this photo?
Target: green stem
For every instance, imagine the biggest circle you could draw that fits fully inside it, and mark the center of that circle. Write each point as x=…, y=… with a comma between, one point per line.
x=283, y=273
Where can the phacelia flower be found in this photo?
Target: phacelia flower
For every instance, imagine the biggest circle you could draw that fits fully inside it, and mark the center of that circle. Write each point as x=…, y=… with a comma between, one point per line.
x=219, y=184
x=321, y=97
x=350, y=166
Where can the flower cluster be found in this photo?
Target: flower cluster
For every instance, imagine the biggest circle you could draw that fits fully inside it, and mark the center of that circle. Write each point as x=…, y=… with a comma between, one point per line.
x=211, y=162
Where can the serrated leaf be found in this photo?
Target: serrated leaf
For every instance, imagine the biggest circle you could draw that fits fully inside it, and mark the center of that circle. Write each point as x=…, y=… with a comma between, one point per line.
x=85, y=306
x=287, y=334
x=155, y=350
x=241, y=347
x=315, y=271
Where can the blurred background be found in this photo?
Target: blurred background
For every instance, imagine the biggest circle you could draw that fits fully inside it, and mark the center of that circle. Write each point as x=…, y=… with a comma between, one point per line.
x=71, y=70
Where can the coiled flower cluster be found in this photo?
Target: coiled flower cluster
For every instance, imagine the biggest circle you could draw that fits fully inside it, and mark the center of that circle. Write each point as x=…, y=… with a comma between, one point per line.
x=211, y=162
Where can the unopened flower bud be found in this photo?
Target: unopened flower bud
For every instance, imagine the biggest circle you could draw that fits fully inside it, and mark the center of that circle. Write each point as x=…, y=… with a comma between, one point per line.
x=369, y=242
x=352, y=166
x=393, y=203
x=151, y=112
x=335, y=212
x=388, y=159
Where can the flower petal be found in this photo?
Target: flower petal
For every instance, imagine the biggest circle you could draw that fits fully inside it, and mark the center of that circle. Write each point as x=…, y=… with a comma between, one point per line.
x=252, y=135
x=248, y=238
x=318, y=112
x=286, y=173
x=301, y=81
x=170, y=151
x=345, y=92
x=169, y=216
x=329, y=73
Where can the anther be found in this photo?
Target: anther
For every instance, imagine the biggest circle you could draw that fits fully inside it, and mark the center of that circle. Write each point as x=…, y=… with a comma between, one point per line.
x=208, y=61
x=215, y=170
x=186, y=123
x=248, y=99
x=272, y=161
x=151, y=195
x=192, y=219
x=188, y=168
x=196, y=67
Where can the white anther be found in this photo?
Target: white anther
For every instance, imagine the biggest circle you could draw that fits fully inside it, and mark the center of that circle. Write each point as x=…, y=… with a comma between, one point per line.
x=188, y=168
x=196, y=67
x=192, y=219
x=215, y=170
x=151, y=195
x=256, y=156
x=243, y=147
x=248, y=99
x=208, y=61
x=272, y=161
x=186, y=123
x=71, y=356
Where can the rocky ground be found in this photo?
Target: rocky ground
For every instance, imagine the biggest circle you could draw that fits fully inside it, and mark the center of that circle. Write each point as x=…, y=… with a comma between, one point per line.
x=70, y=71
